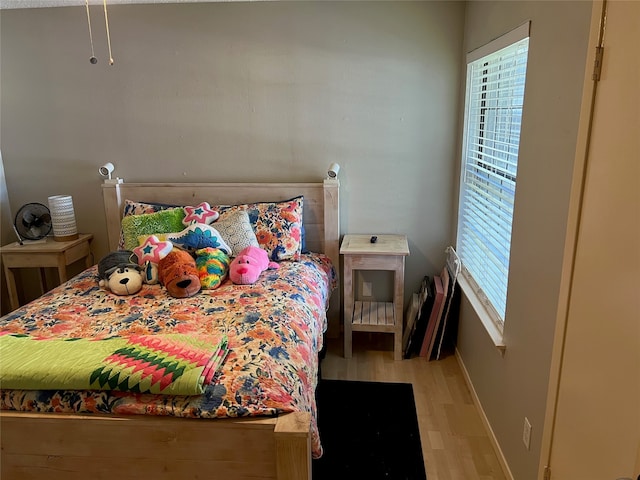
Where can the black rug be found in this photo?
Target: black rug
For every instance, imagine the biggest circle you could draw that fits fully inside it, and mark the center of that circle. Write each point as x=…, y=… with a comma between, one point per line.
x=368, y=430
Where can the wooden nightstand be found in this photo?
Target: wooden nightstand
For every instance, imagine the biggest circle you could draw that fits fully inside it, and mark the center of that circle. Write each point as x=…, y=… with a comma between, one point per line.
x=41, y=255
x=387, y=253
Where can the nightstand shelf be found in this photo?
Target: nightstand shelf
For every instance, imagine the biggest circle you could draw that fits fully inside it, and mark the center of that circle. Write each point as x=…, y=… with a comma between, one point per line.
x=373, y=316
x=387, y=253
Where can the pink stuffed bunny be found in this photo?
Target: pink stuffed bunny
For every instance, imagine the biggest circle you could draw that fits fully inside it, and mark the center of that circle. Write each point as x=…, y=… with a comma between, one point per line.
x=249, y=264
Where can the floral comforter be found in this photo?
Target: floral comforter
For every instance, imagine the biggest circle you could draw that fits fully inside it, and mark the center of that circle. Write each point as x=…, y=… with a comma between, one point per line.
x=274, y=328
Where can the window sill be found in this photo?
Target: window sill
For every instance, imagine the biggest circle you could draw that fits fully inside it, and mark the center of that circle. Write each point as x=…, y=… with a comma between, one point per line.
x=483, y=314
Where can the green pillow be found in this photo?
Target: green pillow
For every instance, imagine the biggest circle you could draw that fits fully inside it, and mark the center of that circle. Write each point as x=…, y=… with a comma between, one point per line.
x=165, y=221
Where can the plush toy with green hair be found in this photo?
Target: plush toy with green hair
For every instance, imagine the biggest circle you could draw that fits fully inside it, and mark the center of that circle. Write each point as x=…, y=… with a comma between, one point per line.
x=213, y=266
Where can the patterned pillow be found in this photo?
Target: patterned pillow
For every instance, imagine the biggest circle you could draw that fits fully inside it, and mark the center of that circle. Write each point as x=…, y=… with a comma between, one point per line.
x=152, y=249
x=201, y=213
x=277, y=226
x=197, y=236
x=236, y=230
x=140, y=208
x=165, y=221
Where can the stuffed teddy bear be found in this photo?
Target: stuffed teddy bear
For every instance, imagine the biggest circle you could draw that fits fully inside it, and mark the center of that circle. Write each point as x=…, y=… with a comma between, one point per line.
x=120, y=273
x=249, y=264
x=178, y=273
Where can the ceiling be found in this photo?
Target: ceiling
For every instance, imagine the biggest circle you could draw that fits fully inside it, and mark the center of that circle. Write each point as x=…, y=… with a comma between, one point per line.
x=6, y=4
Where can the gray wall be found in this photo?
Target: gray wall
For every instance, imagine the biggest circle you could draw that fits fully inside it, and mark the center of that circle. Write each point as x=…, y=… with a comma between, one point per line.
x=258, y=91
x=275, y=91
x=515, y=385
x=6, y=232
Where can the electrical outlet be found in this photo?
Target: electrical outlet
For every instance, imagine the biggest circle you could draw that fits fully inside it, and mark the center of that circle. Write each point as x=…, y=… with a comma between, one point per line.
x=366, y=289
x=526, y=433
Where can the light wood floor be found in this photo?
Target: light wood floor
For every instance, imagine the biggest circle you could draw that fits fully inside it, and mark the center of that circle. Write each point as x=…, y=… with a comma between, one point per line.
x=455, y=445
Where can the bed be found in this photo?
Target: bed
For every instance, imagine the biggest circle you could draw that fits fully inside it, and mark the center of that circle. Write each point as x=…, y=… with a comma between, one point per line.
x=83, y=435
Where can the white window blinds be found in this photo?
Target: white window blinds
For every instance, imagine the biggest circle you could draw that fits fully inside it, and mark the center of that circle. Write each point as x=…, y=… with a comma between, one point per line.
x=493, y=113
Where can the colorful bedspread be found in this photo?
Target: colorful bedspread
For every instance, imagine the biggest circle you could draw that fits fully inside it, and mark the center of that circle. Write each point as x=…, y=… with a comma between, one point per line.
x=274, y=330
x=170, y=364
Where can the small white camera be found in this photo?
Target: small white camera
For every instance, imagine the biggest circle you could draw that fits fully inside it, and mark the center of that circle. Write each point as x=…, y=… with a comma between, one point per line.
x=334, y=168
x=106, y=170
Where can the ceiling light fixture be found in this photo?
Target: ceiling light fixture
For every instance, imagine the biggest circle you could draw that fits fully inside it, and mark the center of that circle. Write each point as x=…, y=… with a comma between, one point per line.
x=92, y=59
x=106, y=23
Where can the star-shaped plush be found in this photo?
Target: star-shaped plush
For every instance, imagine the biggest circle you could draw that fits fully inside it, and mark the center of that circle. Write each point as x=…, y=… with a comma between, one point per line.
x=152, y=250
x=200, y=214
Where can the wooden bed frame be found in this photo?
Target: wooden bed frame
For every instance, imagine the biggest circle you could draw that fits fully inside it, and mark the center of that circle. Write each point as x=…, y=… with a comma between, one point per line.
x=67, y=446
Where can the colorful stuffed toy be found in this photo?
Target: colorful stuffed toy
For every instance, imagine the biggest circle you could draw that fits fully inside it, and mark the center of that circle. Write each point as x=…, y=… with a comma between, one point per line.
x=213, y=267
x=249, y=264
x=178, y=273
x=202, y=213
x=120, y=273
x=198, y=235
x=149, y=254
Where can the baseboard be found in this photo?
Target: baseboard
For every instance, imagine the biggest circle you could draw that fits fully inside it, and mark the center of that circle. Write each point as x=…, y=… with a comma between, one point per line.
x=485, y=421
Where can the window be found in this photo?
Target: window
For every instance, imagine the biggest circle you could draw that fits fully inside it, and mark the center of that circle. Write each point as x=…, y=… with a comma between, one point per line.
x=491, y=137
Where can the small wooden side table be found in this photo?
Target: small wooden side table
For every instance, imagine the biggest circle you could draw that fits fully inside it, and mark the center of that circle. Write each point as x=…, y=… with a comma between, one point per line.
x=41, y=255
x=387, y=253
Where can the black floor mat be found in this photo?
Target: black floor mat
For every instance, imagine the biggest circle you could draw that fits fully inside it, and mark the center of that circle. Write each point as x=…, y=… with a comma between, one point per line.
x=368, y=430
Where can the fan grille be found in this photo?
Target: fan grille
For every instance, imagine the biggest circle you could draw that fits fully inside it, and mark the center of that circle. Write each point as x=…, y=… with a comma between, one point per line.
x=33, y=221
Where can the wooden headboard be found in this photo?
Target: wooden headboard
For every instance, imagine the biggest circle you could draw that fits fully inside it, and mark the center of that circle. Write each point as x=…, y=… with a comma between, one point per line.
x=321, y=215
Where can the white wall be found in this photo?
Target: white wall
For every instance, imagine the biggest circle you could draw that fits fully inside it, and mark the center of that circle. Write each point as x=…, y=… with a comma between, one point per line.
x=514, y=385
x=597, y=421
x=6, y=220
x=6, y=231
x=254, y=91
